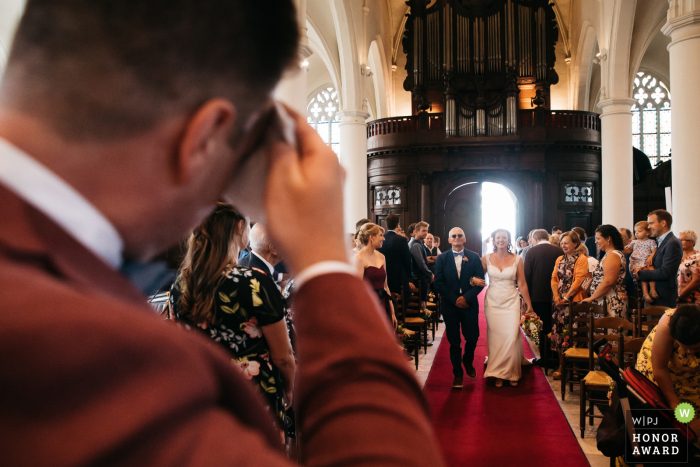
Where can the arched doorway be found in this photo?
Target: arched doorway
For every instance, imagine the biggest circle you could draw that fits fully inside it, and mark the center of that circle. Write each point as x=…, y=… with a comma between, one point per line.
x=479, y=208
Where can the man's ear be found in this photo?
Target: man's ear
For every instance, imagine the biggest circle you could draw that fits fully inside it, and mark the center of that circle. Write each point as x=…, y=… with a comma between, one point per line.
x=205, y=136
x=273, y=250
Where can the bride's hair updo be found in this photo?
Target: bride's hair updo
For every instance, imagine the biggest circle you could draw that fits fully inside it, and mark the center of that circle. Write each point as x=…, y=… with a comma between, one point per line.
x=493, y=239
x=365, y=232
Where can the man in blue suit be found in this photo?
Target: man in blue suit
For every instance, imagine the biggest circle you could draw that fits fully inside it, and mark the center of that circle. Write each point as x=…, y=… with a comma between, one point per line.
x=667, y=258
x=454, y=270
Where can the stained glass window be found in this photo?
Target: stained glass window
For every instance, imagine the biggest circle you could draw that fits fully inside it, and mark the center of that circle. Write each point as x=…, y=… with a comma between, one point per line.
x=578, y=193
x=651, y=118
x=387, y=196
x=320, y=114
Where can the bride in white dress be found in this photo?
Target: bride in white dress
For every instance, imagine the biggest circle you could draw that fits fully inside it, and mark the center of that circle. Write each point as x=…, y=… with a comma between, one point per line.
x=502, y=311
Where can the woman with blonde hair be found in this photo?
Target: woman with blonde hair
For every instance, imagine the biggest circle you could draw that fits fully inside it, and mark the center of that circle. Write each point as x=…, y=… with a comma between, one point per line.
x=371, y=265
x=239, y=308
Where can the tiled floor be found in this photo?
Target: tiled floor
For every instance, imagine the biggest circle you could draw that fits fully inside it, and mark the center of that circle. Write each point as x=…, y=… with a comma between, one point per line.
x=570, y=407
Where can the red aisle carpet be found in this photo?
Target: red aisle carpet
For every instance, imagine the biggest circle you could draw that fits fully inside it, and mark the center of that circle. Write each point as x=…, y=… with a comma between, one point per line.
x=488, y=426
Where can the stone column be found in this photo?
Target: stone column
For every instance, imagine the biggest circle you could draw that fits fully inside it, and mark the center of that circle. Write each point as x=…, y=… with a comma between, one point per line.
x=353, y=157
x=683, y=26
x=425, y=179
x=617, y=163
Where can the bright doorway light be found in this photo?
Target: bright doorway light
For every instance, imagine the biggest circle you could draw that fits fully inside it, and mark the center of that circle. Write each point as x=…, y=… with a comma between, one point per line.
x=498, y=211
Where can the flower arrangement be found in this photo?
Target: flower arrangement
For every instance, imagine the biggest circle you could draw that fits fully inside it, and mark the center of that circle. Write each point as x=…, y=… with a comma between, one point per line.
x=404, y=334
x=532, y=325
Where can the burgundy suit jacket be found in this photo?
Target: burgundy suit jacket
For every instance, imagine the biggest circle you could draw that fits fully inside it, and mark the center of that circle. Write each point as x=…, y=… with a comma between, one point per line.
x=90, y=376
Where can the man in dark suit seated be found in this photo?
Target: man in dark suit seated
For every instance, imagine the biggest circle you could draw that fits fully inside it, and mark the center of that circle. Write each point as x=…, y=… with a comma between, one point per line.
x=454, y=270
x=122, y=123
x=397, y=257
x=539, y=266
x=667, y=259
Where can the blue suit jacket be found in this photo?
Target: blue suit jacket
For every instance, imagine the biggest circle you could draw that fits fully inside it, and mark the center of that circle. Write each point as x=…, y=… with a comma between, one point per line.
x=448, y=283
x=666, y=261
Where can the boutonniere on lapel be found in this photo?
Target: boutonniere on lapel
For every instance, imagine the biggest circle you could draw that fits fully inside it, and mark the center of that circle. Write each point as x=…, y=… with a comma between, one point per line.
x=464, y=259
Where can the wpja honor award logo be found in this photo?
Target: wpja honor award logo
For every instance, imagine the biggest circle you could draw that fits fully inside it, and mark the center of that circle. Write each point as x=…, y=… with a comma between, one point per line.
x=658, y=436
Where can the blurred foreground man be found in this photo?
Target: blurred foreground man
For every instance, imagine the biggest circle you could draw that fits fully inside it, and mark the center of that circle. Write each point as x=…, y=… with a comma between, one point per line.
x=122, y=122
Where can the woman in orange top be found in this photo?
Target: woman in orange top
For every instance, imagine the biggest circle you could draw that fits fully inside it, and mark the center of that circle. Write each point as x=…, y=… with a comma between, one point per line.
x=569, y=272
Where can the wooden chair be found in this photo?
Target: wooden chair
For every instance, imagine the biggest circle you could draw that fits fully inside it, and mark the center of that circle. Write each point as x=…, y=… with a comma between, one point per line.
x=644, y=327
x=576, y=359
x=549, y=356
x=596, y=380
x=417, y=325
x=414, y=311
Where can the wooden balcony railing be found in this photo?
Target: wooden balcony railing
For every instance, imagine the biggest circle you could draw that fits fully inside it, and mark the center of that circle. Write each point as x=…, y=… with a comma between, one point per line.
x=410, y=124
x=561, y=119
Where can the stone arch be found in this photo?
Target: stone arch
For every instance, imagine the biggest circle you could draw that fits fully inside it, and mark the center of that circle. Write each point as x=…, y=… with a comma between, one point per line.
x=319, y=46
x=381, y=78
x=351, y=88
x=583, y=67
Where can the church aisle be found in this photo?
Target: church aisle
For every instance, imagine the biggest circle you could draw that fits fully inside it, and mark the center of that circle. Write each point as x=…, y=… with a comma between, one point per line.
x=484, y=425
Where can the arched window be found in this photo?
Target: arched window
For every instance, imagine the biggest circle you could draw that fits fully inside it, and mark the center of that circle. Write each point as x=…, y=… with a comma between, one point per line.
x=651, y=118
x=320, y=114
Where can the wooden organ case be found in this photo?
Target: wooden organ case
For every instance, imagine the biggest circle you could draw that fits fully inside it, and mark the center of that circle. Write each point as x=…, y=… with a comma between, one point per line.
x=480, y=72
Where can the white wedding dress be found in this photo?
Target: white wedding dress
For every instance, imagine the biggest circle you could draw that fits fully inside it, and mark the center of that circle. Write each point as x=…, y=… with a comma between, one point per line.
x=502, y=311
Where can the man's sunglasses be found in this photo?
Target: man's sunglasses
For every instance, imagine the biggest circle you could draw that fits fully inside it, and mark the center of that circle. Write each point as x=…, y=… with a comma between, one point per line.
x=457, y=236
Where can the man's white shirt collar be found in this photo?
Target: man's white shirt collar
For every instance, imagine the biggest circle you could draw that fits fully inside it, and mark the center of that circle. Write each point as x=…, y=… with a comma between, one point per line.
x=47, y=192
x=544, y=241
x=270, y=267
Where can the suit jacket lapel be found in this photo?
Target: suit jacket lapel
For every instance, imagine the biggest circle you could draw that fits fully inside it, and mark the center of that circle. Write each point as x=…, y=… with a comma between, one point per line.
x=27, y=235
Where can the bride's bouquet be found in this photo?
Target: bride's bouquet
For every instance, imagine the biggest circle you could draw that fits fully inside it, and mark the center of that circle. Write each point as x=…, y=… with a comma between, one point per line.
x=532, y=325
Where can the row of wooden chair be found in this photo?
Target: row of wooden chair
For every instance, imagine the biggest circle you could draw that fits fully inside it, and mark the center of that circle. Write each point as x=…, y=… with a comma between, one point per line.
x=411, y=317
x=580, y=358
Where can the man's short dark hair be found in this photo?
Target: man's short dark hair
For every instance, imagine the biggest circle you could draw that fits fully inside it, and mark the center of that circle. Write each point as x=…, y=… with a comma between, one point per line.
x=392, y=221
x=581, y=233
x=555, y=228
x=662, y=215
x=684, y=324
x=410, y=230
x=360, y=223
x=106, y=69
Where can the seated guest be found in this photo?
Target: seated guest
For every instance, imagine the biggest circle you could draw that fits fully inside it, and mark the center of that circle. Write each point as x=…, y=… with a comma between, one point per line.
x=264, y=256
x=670, y=357
x=666, y=261
x=609, y=277
x=431, y=251
x=569, y=273
x=689, y=270
x=556, y=230
x=371, y=265
x=239, y=308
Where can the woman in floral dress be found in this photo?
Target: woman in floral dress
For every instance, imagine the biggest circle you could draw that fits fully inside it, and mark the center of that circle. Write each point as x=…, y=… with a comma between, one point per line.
x=239, y=308
x=689, y=270
x=670, y=357
x=569, y=272
x=609, y=277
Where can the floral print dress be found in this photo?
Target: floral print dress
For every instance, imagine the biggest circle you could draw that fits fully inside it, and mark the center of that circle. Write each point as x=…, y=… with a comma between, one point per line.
x=246, y=301
x=684, y=368
x=560, y=315
x=617, y=295
x=688, y=267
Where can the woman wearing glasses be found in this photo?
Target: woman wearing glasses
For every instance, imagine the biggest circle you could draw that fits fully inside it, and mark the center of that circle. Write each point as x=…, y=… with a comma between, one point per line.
x=502, y=310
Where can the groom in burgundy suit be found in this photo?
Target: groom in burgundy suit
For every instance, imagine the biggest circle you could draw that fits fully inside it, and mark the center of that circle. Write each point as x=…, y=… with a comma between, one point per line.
x=122, y=122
